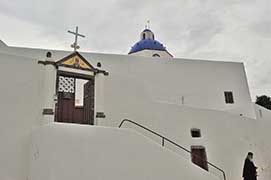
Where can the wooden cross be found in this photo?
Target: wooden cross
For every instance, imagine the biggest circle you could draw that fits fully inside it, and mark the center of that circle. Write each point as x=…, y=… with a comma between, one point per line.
x=75, y=45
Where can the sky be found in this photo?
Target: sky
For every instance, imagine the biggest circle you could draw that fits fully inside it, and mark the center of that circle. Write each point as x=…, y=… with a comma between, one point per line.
x=221, y=30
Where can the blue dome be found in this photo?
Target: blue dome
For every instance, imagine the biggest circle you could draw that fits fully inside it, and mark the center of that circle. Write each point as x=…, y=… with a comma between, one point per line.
x=150, y=44
x=145, y=30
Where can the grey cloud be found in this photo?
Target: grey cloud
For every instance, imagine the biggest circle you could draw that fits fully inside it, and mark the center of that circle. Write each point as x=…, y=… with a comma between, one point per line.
x=204, y=29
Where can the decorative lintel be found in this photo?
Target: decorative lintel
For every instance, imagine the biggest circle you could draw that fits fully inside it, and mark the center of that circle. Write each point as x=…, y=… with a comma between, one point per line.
x=97, y=71
x=47, y=63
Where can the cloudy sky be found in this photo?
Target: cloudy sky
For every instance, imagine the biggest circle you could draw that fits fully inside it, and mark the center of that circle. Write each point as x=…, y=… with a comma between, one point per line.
x=228, y=30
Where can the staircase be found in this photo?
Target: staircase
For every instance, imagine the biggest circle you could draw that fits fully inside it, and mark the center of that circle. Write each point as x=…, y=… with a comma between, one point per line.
x=165, y=139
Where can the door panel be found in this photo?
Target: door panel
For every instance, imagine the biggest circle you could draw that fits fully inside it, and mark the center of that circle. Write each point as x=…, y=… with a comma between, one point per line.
x=199, y=156
x=65, y=107
x=89, y=102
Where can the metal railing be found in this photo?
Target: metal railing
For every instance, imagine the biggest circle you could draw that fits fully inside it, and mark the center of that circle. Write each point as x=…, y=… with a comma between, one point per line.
x=172, y=142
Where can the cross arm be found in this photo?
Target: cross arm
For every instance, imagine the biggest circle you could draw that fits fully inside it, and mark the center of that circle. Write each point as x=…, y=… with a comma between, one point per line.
x=76, y=33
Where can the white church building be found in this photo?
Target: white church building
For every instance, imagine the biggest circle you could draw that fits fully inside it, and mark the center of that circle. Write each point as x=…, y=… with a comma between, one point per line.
x=142, y=116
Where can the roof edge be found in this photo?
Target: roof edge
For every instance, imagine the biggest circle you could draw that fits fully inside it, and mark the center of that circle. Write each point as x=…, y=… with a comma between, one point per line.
x=2, y=43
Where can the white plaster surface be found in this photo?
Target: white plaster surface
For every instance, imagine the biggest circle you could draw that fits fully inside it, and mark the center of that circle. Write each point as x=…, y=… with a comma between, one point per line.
x=62, y=151
x=150, y=53
x=20, y=109
x=262, y=113
x=2, y=44
x=200, y=83
x=148, y=91
x=50, y=92
x=227, y=138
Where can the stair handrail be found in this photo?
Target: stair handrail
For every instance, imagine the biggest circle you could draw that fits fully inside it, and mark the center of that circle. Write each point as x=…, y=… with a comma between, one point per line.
x=172, y=142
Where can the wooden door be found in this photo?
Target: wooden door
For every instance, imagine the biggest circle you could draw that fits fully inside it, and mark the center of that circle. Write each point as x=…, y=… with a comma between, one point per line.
x=66, y=99
x=65, y=107
x=199, y=157
x=66, y=111
x=89, y=89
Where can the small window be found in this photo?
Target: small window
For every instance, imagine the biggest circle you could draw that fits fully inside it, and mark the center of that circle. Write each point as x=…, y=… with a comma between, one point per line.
x=155, y=55
x=144, y=36
x=195, y=133
x=228, y=97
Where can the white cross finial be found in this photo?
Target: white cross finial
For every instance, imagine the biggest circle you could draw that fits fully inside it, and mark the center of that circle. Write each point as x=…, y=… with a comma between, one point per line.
x=148, y=24
x=75, y=45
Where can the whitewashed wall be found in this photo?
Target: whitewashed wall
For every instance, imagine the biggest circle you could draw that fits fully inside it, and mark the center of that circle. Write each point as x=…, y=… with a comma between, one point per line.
x=20, y=110
x=262, y=113
x=227, y=138
x=199, y=83
x=149, y=91
x=68, y=152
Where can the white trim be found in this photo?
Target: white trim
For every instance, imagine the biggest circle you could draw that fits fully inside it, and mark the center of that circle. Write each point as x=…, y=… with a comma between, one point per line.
x=78, y=71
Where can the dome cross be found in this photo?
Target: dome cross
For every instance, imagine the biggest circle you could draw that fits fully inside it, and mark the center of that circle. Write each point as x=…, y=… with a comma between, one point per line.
x=147, y=26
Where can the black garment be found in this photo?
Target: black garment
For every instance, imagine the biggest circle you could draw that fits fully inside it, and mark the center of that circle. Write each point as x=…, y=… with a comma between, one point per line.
x=249, y=171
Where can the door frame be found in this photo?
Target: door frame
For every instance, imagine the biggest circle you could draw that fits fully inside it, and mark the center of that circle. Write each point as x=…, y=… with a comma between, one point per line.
x=74, y=75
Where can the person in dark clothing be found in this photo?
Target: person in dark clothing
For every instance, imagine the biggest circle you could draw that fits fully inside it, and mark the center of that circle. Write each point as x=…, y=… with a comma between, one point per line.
x=249, y=170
